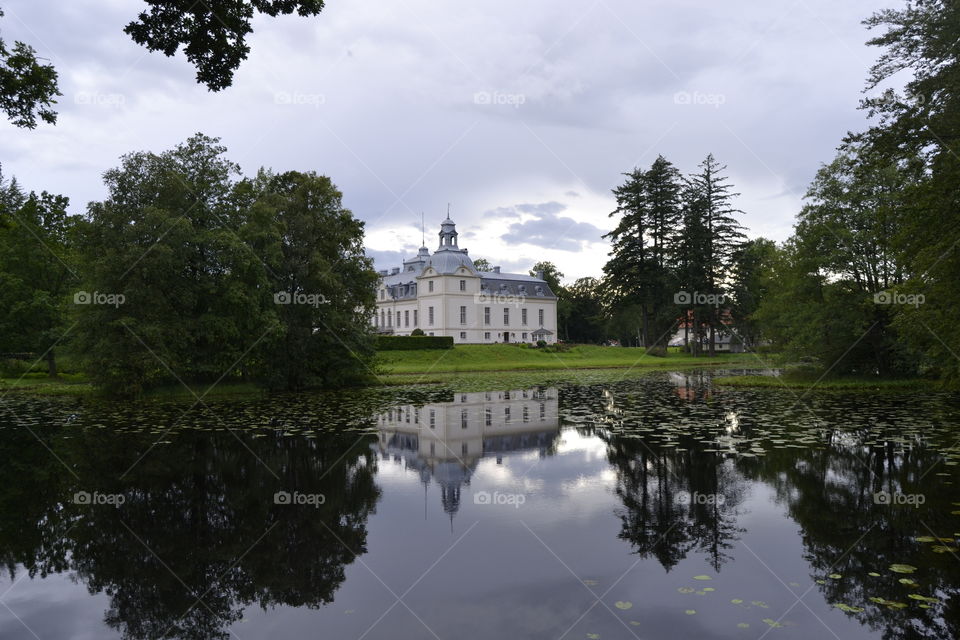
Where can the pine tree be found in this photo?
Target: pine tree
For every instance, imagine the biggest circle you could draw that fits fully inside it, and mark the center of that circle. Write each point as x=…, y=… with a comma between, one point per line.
x=640, y=271
x=714, y=236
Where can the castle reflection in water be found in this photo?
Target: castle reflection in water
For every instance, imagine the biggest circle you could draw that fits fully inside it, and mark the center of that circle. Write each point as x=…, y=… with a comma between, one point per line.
x=444, y=441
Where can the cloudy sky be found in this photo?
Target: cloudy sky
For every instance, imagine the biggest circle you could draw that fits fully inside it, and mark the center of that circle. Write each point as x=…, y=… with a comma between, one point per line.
x=521, y=115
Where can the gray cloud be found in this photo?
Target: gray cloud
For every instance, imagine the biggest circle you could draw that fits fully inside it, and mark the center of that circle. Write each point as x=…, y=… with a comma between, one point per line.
x=549, y=230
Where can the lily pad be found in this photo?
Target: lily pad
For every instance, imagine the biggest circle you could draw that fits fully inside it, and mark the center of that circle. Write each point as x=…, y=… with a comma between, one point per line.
x=702, y=578
x=690, y=612
x=902, y=568
x=623, y=605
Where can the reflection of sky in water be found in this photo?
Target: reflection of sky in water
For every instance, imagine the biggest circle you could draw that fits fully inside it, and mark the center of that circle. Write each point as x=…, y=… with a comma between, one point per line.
x=467, y=570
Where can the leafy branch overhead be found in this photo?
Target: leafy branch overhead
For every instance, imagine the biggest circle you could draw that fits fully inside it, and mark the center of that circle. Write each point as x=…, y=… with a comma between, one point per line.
x=28, y=87
x=212, y=32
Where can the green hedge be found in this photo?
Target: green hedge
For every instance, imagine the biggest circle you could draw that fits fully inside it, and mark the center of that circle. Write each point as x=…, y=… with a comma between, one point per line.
x=411, y=343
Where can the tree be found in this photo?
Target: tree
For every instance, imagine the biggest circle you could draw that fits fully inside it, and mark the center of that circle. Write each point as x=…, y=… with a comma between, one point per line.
x=714, y=234
x=584, y=321
x=35, y=272
x=750, y=282
x=822, y=301
x=482, y=264
x=201, y=277
x=550, y=273
x=212, y=32
x=923, y=124
x=640, y=270
x=28, y=87
x=323, y=282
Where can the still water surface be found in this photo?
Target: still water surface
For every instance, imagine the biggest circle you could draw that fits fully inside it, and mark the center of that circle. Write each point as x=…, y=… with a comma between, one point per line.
x=659, y=507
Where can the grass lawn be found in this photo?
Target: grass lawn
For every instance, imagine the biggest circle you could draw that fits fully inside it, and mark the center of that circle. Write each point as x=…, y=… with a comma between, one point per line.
x=503, y=357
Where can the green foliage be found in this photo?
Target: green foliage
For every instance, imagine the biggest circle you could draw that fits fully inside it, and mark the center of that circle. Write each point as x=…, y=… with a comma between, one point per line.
x=319, y=333
x=28, y=88
x=212, y=32
x=413, y=342
x=417, y=332
x=584, y=315
x=918, y=127
x=821, y=300
x=482, y=264
x=36, y=271
x=752, y=263
x=217, y=279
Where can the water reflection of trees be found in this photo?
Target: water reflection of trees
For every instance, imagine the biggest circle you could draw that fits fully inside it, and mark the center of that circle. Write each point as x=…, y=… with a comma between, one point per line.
x=677, y=498
x=659, y=436
x=199, y=535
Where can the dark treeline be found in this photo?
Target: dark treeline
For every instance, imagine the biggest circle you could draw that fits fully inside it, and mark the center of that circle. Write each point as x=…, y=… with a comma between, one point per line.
x=189, y=272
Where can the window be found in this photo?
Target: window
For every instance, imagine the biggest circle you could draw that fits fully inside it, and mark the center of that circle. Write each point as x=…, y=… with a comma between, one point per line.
x=540, y=314
x=383, y=320
x=526, y=414
x=506, y=317
x=382, y=293
x=416, y=416
x=543, y=411
x=463, y=419
x=433, y=448
x=486, y=315
x=464, y=449
x=486, y=335
x=430, y=286
x=463, y=285
x=406, y=318
x=506, y=415
x=487, y=417
x=463, y=315
x=389, y=318
x=463, y=335
x=523, y=317
x=433, y=418
x=431, y=333
x=430, y=316
x=524, y=336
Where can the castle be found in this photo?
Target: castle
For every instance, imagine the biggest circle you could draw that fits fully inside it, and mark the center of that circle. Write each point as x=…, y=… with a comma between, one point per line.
x=443, y=294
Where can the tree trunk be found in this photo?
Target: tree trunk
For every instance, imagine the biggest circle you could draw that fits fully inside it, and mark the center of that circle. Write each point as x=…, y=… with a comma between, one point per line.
x=51, y=364
x=712, y=347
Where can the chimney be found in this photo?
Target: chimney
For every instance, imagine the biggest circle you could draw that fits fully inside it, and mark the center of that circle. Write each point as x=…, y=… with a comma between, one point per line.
x=496, y=269
x=539, y=275
x=395, y=271
x=382, y=272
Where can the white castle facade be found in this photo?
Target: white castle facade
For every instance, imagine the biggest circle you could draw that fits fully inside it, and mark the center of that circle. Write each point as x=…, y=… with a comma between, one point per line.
x=443, y=294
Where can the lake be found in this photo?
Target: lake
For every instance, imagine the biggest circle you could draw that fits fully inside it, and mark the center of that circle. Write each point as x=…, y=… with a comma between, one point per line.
x=654, y=507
